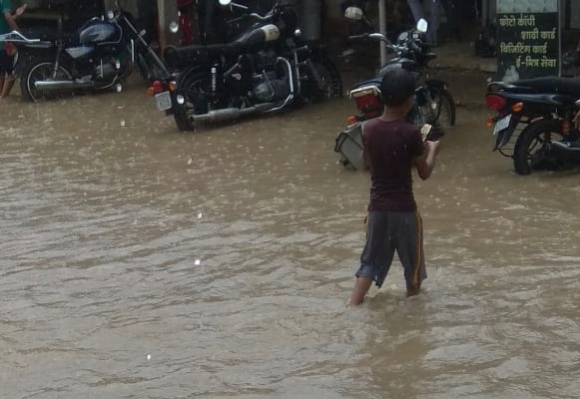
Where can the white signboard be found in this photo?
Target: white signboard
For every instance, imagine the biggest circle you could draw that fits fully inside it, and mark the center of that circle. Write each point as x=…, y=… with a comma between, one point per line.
x=527, y=6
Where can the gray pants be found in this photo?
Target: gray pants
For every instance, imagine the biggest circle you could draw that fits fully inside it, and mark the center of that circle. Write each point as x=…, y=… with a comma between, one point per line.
x=416, y=7
x=390, y=232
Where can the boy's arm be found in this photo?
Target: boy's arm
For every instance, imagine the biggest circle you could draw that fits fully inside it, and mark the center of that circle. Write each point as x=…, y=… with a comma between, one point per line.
x=10, y=19
x=426, y=163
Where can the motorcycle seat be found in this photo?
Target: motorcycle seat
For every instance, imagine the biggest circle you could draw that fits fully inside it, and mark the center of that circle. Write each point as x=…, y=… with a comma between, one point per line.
x=372, y=82
x=187, y=55
x=564, y=86
x=52, y=36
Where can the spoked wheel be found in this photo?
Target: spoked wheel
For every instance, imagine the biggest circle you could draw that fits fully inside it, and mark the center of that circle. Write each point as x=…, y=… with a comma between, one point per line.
x=532, y=149
x=42, y=70
x=329, y=83
x=444, y=107
x=195, y=95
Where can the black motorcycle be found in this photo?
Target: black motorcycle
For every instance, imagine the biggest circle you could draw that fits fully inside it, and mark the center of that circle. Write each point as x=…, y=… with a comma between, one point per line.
x=267, y=68
x=433, y=99
x=538, y=113
x=412, y=53
x=100, y=55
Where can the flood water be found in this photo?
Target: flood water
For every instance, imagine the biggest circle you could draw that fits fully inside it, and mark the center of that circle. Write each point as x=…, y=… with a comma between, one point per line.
x=140, y=262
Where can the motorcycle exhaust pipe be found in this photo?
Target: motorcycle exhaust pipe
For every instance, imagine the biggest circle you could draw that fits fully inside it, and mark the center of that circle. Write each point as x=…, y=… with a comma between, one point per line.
x=565, y=148
x=61, y=84
x=226, y=114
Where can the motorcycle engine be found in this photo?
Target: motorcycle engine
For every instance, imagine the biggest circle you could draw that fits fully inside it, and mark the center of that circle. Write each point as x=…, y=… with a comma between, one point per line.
x=106, y=70
x=272, y=83
x=264, y=60
x=271, y=90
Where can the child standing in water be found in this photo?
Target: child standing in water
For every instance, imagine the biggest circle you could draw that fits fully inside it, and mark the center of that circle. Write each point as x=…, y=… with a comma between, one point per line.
x=392, y=149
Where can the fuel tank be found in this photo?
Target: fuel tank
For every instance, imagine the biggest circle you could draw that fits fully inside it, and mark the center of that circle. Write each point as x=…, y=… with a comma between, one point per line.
x=259, y=35
x=99, y=32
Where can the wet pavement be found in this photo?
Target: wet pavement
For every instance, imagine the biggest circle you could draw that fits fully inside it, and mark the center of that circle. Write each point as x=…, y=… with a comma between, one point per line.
x=140, y=262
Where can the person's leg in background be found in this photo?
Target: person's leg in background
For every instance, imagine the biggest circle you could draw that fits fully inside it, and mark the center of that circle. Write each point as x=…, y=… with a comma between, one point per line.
x=454, y=17
x=434, y=20
x=4, y=69
x=416, y=7
x=8, y=71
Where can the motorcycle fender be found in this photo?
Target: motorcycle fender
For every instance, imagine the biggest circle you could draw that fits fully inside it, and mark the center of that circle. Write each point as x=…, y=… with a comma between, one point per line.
x=191, y=71
x=504, y=136
x=187, y=73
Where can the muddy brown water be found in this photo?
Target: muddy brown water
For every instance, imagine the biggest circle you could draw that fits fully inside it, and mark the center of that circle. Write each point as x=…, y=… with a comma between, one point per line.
x=139, y=262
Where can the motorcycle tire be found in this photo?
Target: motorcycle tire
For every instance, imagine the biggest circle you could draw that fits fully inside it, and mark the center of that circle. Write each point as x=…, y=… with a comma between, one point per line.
x=191, y=87
x=523, y=160
x=331, y=81
x=40, y=66
x=447, y=104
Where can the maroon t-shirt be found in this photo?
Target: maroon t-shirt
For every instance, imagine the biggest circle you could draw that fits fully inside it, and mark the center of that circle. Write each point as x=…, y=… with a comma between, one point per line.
x=389, y=151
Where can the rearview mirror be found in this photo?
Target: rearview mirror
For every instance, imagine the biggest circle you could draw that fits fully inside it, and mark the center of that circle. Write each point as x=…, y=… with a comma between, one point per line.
x=225, y=2
x=352, y=13
x=422, y=26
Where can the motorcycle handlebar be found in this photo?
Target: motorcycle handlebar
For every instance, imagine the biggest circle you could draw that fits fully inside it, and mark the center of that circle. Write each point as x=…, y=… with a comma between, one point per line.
x=17, y=37
x=259, y=17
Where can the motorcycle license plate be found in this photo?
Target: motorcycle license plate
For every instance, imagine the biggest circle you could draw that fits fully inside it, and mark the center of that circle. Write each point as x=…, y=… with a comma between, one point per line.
x=163, y=101
x=502, y=124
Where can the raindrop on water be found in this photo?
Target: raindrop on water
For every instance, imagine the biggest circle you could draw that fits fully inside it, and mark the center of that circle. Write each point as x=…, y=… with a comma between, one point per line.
x=197, y=262
x=189, y=160
x=123, y=123
x=148, y=356
x=199, y=215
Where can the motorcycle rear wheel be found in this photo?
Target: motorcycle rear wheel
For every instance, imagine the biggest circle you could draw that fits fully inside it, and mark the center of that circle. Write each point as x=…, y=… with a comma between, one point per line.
x=527, y=154
x=193, y=90
x=41, y=69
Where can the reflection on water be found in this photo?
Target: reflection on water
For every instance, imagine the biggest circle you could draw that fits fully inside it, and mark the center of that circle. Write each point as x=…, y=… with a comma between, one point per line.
x=138, y=262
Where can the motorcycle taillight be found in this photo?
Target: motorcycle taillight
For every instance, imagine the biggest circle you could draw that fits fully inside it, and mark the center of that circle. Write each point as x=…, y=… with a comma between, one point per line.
x=495, y=102
x=370, y=102
x=367, y=99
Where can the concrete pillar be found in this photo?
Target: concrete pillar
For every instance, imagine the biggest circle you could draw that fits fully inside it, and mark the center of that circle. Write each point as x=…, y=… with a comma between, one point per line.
x=167, y=15
x=575, y=15
x=383, y=29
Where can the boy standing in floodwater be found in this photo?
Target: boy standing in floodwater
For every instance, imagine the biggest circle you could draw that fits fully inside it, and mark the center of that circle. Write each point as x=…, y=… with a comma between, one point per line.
x=392, y=149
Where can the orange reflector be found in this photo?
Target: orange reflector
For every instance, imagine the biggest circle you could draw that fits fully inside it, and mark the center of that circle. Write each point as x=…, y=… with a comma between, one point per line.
x=150, y=91
x=489, y=122
x=351, y=120
x=565, y=128
x=172, y=86
x=517, y=107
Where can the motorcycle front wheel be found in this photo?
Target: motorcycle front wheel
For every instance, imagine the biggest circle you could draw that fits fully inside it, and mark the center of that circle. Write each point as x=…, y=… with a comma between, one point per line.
x=324, y=81
x=531, y=151
x=445, y=112
x=41, y=70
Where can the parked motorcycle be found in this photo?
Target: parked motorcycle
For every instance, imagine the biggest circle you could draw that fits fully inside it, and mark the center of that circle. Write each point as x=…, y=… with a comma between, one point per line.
x=540, y=112
x=267, y=68
x=100, y=55
x=434, y=103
